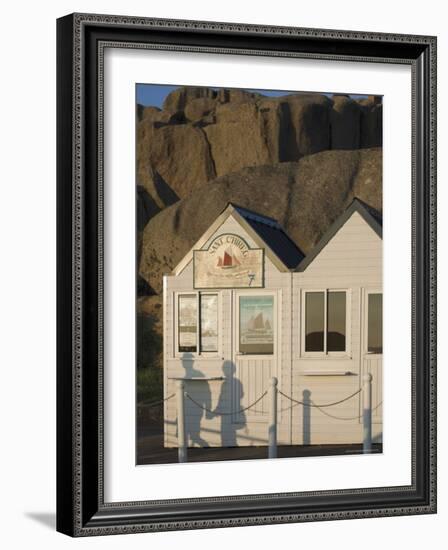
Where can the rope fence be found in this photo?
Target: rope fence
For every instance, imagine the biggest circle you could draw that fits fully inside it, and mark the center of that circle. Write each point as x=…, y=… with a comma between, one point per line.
x=155, y=403
x=221, y=413
x=273, y=391
x=294, y=401
x=312, y=404
x=357, y=417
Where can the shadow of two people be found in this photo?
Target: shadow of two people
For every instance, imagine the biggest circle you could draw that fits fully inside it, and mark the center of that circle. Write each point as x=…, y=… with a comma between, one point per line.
x=229, y=401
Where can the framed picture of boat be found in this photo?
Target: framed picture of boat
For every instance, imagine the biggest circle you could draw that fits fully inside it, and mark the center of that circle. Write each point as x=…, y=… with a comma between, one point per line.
x=246, y=276
x=256, y=324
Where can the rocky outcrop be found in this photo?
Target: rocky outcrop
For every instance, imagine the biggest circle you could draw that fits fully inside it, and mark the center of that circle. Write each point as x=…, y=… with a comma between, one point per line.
x=203, y=133
x=345, y=123
x=371, y=121
x=198, y=108
x=156, y=188
x=179, y=153
x=304, y=196
x=178, y=99
x=309, y=117
x=237, y=139
x=146, y=207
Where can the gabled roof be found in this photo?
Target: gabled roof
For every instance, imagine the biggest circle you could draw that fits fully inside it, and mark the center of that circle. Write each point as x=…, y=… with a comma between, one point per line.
x=265, y=231
x=274, y=236
x=371, y=216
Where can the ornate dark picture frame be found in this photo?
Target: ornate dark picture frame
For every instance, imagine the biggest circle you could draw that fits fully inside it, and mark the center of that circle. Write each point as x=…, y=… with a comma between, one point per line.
x=81, y=509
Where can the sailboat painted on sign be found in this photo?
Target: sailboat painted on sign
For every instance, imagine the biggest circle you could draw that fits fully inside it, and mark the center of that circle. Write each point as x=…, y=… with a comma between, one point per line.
x=228, y=260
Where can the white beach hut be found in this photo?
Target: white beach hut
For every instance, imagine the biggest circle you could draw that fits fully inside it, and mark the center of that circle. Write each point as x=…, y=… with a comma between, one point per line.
x=245, y=305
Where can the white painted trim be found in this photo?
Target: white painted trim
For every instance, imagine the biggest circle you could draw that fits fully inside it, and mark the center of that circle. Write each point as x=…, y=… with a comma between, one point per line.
x=277, y=319
x=365, y=356
x=345, y=355
x=198, y=354
x=218, y=352
x=277, y=348
x=365, y=322
x=327, y=373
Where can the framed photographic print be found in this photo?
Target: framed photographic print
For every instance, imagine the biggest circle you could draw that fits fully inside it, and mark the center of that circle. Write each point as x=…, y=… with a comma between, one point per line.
x=246, y=274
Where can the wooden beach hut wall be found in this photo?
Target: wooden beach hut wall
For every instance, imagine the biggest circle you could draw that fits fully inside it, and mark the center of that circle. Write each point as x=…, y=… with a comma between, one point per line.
x=337, y=322
x=227, y=330
x=234, y=317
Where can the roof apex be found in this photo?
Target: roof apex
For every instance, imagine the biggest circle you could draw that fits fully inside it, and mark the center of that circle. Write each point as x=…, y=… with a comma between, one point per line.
x=371, y=216
x=254, y=215
x=265, y=231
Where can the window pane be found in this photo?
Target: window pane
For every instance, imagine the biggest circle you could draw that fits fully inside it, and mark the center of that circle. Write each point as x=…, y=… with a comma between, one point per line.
x=375, y=324
x=336, y=325
x=314, y=321
x=188, y=322
x=209, y=322
x=257, y=324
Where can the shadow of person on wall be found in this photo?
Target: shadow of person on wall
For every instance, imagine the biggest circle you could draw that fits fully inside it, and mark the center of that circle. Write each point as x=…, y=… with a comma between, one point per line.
x=230, y=399
x=199, y=391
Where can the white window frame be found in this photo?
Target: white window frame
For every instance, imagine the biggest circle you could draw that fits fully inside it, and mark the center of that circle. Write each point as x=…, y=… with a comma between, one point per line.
x=198, y=353
x=348, y=322
x=366, y=351
x=256, y=292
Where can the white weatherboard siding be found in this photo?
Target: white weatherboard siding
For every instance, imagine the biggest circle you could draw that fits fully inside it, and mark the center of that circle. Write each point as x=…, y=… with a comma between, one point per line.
x=351, y=260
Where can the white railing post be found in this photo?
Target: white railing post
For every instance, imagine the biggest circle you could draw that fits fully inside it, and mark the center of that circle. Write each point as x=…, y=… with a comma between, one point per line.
x=181, y=435
x=272, y=428
x=367, y=413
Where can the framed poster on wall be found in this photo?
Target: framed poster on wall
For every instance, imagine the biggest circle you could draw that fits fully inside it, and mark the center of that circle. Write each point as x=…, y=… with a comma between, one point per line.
x=246, y=274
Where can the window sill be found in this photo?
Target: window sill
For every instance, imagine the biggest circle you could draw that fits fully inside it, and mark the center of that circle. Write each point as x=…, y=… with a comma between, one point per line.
x=327, y=373
x=327, y=357
x=198, y=357
x=196, y=378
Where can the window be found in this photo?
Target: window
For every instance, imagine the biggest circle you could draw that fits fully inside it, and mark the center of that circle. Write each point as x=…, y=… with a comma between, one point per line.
x=194, y=328
x=375, y=323
x=188, y=323
x=325, y=321
x=314, y=321
x=256, y=324
x=336, y=306
x=209, y=322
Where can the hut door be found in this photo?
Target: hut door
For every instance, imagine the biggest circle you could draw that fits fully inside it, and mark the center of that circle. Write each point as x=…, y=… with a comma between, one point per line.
x=255, y=323
x=373, y=347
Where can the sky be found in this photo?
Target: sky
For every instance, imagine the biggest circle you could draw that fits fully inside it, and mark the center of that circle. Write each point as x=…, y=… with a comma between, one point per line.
x=154, y=94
